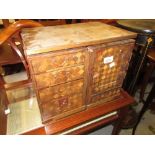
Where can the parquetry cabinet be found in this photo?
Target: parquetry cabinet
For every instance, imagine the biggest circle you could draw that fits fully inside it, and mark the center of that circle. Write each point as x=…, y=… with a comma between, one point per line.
x=76, y=67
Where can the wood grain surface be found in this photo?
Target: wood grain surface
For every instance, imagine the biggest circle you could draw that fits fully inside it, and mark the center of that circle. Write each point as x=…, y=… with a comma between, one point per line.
x=45, y=39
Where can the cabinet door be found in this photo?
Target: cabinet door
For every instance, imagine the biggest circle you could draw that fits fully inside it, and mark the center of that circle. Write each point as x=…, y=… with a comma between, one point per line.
x=108, y=69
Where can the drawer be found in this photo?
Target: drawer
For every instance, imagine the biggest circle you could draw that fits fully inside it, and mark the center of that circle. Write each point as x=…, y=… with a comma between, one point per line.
x=106, y=96
x=60, y=91
x=62, y=107
x=51, y=62
x=59, y=76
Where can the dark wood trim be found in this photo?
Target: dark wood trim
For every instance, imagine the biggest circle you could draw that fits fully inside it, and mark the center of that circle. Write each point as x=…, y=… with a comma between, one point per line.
x=19, y=84
x=6, y=33
x=3, y=121
x=3, y=117
x=6, y=22
x=52, y=22
x=3, y=95
x=94, y=126
x=38, y=131
x=118, y=124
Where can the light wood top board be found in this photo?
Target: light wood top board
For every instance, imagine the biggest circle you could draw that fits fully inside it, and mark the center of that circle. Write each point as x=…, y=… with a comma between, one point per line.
x=44, y=39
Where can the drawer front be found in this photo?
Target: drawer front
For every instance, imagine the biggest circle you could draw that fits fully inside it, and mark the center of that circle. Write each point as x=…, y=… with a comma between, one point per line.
x=110, y=67
x=59, y=76
x=62, y=107
x=61, y=91
x=51, y=62
x=106, y=96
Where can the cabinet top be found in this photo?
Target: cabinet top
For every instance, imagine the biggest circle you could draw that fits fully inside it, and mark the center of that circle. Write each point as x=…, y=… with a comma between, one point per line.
x=51, y=38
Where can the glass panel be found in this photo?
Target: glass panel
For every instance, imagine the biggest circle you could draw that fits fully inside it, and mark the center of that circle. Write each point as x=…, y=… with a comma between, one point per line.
x=24, y=110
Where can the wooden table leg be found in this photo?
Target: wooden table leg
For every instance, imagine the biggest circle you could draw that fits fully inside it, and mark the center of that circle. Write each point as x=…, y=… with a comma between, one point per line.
x=3, y=120
x=118, y=124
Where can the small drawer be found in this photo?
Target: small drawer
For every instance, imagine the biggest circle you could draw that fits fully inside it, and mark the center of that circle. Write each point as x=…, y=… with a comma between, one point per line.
x=59, y=76
x=51, y=62
x=62, y=107
x=61, y=91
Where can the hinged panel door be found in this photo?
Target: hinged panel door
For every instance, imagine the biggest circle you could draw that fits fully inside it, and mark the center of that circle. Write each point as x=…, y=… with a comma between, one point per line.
x=108, y=69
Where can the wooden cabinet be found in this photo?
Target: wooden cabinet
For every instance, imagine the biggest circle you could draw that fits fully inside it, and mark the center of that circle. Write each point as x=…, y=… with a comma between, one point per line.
x=76, y=67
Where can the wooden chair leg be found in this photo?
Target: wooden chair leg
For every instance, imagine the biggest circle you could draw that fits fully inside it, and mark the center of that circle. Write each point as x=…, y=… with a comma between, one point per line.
x=5, y=98
x=3, y=119
x=118, y=124
x=146, y=79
